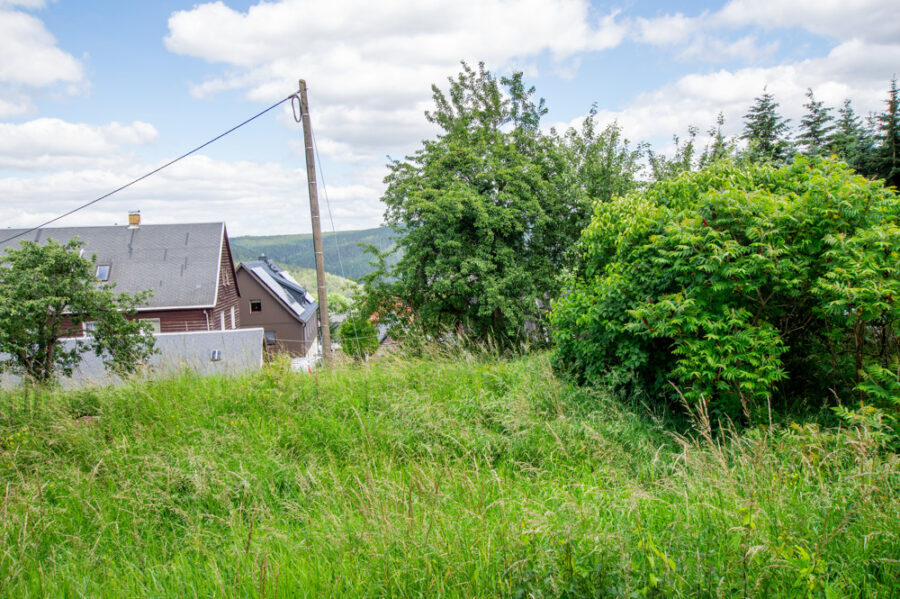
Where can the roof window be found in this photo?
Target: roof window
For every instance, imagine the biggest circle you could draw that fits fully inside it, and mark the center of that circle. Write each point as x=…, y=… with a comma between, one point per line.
x=103, y=272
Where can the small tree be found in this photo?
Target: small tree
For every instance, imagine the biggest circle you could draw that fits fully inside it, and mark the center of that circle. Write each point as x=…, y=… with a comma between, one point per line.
x=889, y=134
x=47, y=292
x=816, y=127
x=358, y=337
x=766, y=131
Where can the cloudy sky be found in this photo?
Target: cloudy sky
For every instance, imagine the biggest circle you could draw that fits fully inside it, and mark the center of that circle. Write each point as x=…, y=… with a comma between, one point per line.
x=93, y=94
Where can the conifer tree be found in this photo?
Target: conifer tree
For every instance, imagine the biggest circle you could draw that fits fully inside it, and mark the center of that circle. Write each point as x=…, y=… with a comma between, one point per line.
x=816, y=127
x=889, y=138
x=766, y=131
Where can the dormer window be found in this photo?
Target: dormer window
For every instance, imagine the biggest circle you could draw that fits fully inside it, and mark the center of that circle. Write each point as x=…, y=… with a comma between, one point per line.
x=103, y=272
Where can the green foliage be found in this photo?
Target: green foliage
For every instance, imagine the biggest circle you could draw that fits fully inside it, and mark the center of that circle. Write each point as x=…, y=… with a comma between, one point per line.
x=766, y=131
x=358, y=337
x=488, y=210
x=470, y=477
x=46, y=292
x=485, y=211
x=889, y=138
x=816, y=127
x=605, y=164
x=738, y=285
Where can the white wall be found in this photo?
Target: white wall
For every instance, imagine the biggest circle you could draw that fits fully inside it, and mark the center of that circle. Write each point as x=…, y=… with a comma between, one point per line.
x=241, y=351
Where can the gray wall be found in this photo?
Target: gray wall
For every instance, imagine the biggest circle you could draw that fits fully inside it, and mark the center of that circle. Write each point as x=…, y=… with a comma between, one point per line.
x=241, y=352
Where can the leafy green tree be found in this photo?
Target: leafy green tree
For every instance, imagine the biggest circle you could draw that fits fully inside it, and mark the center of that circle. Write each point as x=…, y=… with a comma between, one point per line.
x=816, y=127
x=720, y=146
x=486, y=212
x=605, y=164
x=889, y=138
x=739, y=285
x=358, y=337
x=46, y=293
x=662, y=167
x=766, y=131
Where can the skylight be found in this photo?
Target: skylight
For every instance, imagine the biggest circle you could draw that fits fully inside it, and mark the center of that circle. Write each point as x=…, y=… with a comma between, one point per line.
x=103, y=272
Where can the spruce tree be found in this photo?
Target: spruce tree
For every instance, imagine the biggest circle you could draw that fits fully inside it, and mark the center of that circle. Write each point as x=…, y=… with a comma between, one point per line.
x=766, y=131
x=816, y=127
x=889, y=138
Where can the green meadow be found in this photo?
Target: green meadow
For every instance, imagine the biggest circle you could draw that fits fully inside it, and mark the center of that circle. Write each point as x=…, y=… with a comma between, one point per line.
x=446, y=476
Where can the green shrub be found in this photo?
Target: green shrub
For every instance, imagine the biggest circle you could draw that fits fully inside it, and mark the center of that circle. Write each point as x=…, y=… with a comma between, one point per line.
x=358, y=337
x=737, y=284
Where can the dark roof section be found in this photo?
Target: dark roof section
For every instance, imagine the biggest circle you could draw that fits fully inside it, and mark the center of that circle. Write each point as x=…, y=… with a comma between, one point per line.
x=178, y=263
x=282, y=285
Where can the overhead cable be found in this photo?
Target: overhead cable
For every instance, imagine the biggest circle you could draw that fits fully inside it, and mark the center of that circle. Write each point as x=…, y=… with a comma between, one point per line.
x=153, y=172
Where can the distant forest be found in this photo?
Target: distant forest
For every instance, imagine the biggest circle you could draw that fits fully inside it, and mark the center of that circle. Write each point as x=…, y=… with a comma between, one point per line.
x=340, y=248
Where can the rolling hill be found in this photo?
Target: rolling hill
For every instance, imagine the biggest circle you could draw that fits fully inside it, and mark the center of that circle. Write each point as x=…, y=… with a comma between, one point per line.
x=340, y=248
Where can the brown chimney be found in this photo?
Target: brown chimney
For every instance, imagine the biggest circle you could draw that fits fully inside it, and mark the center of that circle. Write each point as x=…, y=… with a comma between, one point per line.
x=134, y=219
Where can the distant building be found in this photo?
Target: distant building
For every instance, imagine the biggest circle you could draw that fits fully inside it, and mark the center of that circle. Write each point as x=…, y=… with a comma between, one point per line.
x=274, y=301
x=187, y=267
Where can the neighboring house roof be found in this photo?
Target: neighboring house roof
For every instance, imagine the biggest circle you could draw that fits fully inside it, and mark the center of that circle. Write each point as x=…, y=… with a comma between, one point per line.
x=282, y=285
x=179, y=263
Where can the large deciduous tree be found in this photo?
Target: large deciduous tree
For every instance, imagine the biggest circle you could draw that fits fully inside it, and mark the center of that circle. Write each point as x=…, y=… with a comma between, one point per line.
x=488, y=210
x=46, y=293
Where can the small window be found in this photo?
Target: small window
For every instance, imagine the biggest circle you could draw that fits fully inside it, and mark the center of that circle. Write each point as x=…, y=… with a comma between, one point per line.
x=270, y=337
x=233, y=326
x=154, y=322
x=103, y=272
x=255, y=306
x=89, y=327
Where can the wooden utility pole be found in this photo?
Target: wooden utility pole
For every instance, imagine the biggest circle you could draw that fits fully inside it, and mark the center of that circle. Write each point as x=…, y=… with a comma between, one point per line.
x=316, y=226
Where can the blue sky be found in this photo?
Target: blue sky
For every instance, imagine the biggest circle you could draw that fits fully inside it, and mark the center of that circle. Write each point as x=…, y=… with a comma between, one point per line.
x=93, y=94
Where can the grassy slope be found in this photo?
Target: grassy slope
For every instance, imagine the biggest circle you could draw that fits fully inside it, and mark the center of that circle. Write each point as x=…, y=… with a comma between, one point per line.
x=340, y=248
x=453, y=478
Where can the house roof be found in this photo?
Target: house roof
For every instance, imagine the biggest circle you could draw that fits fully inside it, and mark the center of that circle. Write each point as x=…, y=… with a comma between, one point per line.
x=283, y=286
x=179, y=263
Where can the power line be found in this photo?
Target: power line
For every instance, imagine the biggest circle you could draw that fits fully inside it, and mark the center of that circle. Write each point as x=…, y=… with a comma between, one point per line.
x=153, y=172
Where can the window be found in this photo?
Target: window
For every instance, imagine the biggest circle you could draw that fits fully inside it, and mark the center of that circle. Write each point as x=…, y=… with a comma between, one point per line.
x=222, y=320
x=270, y=337
x=89, y=327
x=103, y=272
x=255, y=306
x=232, y=318
x=154, y=322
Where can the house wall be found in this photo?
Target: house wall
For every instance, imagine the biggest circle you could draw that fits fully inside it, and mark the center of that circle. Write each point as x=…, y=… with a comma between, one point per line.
x=228, y=295
x=241, y=351
x=291, y=336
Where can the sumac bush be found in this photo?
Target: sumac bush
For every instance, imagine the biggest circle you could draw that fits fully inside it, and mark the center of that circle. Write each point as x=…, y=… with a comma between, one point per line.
x=743, y=285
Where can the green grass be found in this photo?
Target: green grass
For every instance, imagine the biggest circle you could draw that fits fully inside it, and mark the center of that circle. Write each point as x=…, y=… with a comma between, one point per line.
x=433, y=477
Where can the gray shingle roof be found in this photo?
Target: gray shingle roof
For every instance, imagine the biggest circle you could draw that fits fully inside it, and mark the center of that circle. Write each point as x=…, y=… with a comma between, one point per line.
x=179, y=263
x=291, y=293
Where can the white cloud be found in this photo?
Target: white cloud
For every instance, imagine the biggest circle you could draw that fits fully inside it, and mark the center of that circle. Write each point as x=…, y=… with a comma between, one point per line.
x=252, y=197
x=870, y=20
x=48, y=143
x=30, y=59
x=369, y=77
x=852, y=70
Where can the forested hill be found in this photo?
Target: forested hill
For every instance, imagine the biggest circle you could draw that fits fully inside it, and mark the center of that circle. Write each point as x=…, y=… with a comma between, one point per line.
x=297, y=250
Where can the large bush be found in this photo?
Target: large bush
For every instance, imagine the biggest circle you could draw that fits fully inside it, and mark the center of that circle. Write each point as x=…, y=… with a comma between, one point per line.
x=737, y=284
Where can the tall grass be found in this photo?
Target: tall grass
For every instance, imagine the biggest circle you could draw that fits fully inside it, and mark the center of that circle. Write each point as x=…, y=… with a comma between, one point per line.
x=433, y=477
